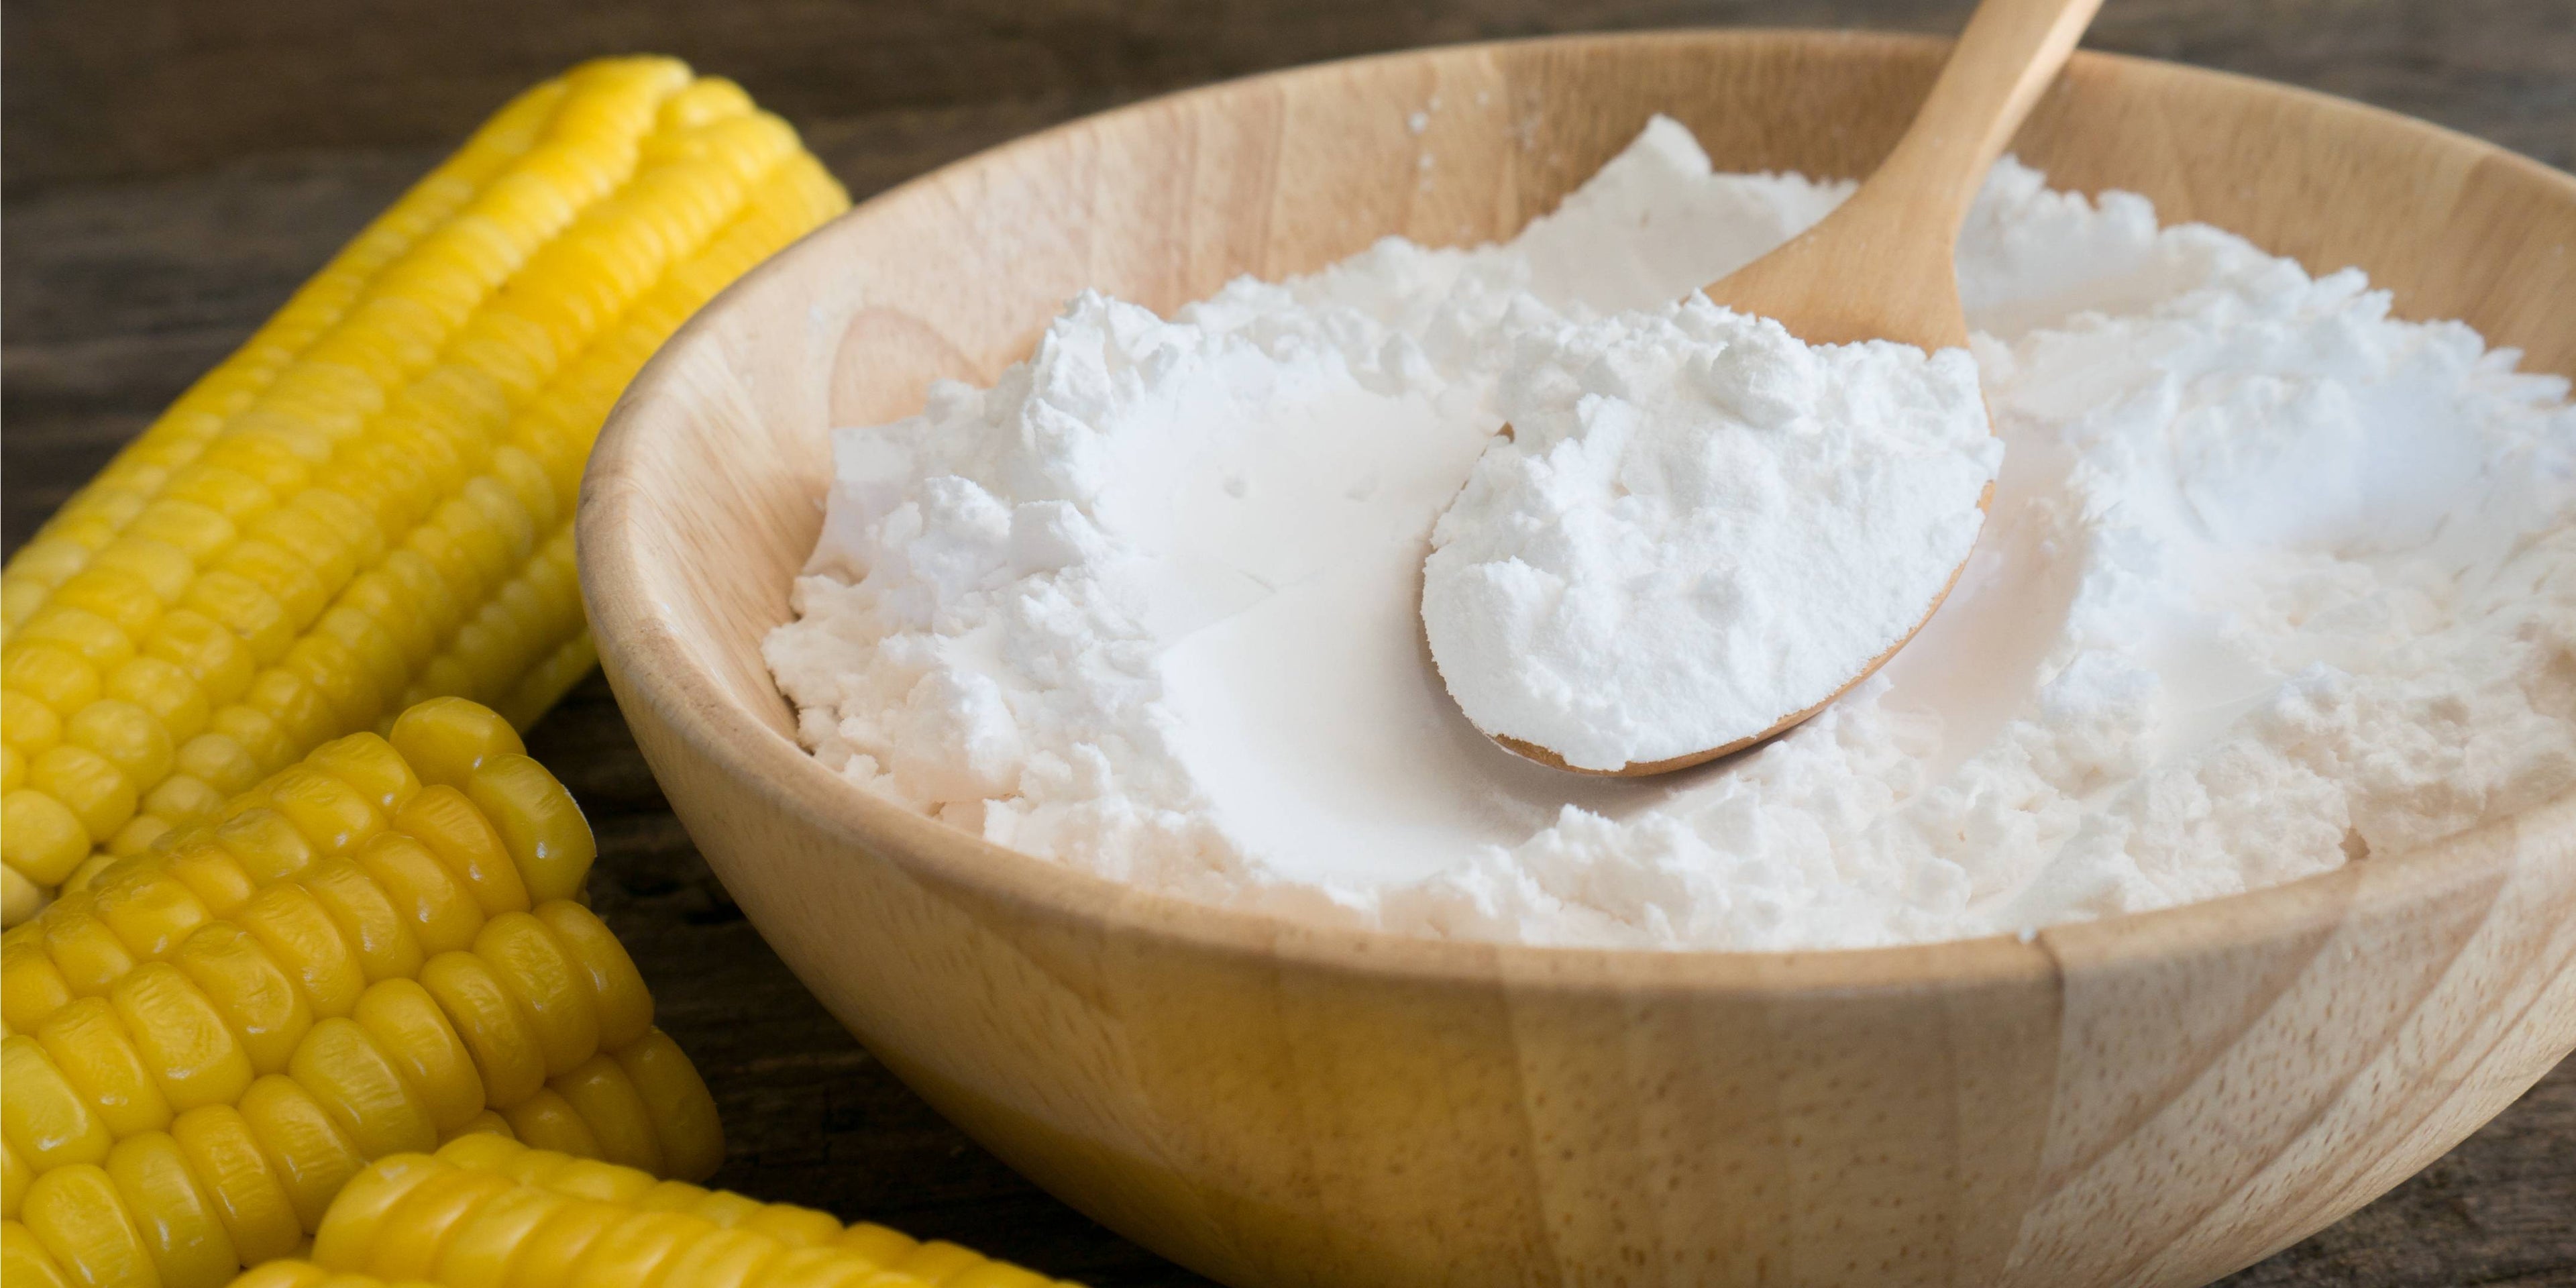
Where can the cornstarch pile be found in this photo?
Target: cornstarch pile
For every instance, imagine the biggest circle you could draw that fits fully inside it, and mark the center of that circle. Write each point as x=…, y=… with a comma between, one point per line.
x=2268, y=581
x=1698, y=526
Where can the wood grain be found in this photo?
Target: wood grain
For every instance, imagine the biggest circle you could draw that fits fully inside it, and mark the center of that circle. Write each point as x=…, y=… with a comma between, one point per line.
x=2148, y=1100
x=118, y=292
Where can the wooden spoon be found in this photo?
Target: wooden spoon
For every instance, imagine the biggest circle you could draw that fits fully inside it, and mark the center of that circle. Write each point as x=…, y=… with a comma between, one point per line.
x=1881, y=266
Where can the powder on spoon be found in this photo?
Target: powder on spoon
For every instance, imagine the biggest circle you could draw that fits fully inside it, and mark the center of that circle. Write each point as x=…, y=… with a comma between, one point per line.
x=1698, y=527
x=2270, y=579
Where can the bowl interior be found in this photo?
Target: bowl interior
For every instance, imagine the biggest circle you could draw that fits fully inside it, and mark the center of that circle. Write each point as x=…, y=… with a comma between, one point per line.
x=704, y=495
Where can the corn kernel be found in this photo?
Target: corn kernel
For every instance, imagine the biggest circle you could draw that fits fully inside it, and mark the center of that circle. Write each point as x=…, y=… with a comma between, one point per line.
x=258, y=999
x=42, y=1117
x=89, y=954
x=552, y=993
x=40, y=837
x=50, y=673
x=372, y=766
x=726, y=1208
x=487, y=1018
x=183, y=799
x=125, y=735
x=32, y=988
x=325, y=810
x=223, y=1153
x=305, y=1149
x=357, y=1217
x=478, y=1252
x=165, y=692
x=547, y=837
x=86, y=783
x=415, y=1230
x=99, y=860
x=797, y=1227
x=117, y=596
x=211, y=873
x=269, y=847
x=677, y=1103
x=94, y=1057
x=176, y=1217
x=24, y=1262
x=97, y=640
x=723, y=1259
x=405, y=1023
x=201, y=646
x=219, y=761
x=150, y=911
x=191, y=529
x=292, y=927
x=549, y=1254
x=27, y=724
x=447, y=739
x=367, y=918
x=441, y=915
x=358, y=1084
x=608, y=1102
x=618, y=997
x=636, y=1249
x=20, y=898
x=322, y=548
x=451, y=828
x=76, y=1213
x=343, y=679
x=182, y=1038
x=876, y=1243
x=243, y=609
x=545, y=1120
x=302, y=711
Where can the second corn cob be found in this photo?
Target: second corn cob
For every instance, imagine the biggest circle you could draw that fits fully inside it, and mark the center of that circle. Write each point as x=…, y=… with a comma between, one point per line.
x=370, y=503
x=488, y=1213
x=372, y=953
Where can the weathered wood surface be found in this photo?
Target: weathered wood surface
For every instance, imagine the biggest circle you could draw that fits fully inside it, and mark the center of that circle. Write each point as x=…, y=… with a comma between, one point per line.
x=173, y=169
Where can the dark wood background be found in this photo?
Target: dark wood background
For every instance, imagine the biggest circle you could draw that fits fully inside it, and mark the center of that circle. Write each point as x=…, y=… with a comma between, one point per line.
x=169, y=169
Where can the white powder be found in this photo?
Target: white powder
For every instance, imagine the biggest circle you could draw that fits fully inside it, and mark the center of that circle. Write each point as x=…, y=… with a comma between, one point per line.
x=1697, y=527
x=2269, y=580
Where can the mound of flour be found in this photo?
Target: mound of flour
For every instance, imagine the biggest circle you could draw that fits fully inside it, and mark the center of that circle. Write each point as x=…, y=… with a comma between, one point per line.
x=1698, y=526
x=2269, y=580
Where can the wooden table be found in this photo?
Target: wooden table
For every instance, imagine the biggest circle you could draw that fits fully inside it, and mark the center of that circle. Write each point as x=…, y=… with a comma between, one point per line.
x=173, y=168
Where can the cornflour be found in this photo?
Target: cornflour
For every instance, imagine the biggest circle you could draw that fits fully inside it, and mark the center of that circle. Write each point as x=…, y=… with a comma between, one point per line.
x=1697, y=526
x=2269, y=581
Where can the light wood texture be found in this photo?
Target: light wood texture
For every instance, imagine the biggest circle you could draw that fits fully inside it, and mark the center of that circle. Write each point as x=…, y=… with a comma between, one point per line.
x=1879, y=266
x=2150, y=1100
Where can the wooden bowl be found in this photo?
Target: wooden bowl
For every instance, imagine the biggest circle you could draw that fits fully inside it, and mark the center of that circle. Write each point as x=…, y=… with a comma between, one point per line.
x=2153, y=1099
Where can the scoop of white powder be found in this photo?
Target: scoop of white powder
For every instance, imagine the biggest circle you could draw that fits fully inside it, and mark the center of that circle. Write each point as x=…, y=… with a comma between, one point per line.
x=2270, y=579
x=1697, y=527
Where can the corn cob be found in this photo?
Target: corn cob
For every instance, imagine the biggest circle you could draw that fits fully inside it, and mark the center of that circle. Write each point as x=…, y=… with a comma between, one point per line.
x=373, y=952
x=371, y=503
x=489, y=1213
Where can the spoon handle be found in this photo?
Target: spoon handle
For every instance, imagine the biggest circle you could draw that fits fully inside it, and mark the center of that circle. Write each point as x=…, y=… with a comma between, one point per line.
x=2009, y=53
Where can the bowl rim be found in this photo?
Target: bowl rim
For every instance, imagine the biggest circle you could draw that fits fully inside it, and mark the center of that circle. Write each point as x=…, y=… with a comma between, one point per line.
x=648, y=664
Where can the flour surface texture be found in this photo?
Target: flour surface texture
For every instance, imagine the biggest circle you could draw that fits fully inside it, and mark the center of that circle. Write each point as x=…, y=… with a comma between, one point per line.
x=2269, y=580
x=1697, y=527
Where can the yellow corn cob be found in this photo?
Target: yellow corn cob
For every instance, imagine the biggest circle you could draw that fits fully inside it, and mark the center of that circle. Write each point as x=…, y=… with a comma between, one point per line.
x=371, y=503
x=372, y=953
x=486, y=1212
